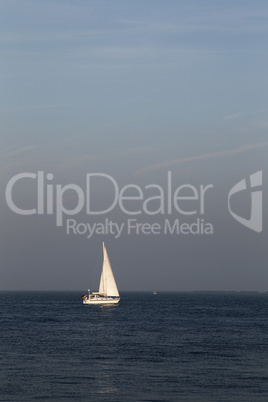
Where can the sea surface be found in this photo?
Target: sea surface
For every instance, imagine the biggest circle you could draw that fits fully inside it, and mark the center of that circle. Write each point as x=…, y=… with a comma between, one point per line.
x=163, y=347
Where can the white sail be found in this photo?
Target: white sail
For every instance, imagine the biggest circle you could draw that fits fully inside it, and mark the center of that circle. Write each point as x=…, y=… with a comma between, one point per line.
x=107, y=281
x=108, y=292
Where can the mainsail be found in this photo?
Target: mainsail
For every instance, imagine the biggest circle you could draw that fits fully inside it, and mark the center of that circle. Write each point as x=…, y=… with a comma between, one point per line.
x=107, y=281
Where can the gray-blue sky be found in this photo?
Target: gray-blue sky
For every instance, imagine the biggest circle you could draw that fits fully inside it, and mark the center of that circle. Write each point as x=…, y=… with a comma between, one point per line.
x=133, y=89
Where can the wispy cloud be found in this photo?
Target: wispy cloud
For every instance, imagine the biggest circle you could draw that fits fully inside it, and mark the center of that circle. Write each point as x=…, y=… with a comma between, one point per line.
x=173, y=162
x=233, y=116
x=14, y=156
x=20, y=150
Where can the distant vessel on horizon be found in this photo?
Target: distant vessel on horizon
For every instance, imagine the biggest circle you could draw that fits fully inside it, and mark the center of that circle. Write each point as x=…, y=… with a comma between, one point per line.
x=108, y=292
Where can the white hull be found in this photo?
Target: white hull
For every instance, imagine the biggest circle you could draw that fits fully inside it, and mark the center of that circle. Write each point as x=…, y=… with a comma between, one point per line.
x=101, y=300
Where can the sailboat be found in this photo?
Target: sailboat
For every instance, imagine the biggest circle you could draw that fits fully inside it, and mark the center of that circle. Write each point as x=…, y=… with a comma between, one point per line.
x=108, y=292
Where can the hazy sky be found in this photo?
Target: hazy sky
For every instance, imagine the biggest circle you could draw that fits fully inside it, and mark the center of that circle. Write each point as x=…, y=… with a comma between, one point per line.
x=134, y=90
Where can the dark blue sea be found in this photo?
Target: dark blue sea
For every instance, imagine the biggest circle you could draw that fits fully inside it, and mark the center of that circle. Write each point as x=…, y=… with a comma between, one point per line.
x=164, y=347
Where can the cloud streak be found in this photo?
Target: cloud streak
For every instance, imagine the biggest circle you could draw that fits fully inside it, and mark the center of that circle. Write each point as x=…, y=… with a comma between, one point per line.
x=241, y=114
x=228, y=152
x=20, y=150
x=233, y=116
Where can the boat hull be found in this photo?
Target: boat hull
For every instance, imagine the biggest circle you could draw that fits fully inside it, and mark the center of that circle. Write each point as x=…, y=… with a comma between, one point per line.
x=101, y=300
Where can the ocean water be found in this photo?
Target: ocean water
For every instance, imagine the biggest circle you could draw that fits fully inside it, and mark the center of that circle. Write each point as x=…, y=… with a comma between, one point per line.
x=164, y=347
